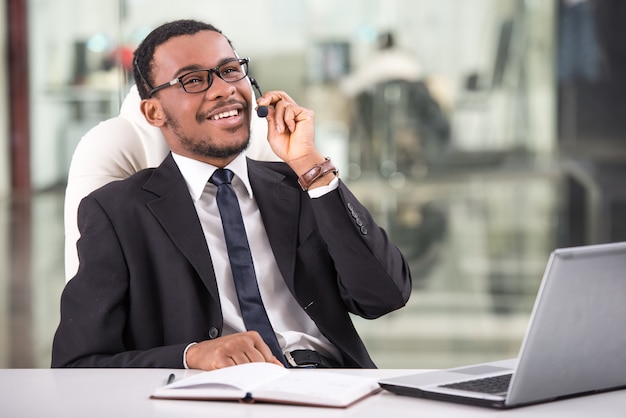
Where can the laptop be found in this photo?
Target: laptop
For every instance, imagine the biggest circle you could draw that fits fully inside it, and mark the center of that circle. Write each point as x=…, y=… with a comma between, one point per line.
x=575, y=343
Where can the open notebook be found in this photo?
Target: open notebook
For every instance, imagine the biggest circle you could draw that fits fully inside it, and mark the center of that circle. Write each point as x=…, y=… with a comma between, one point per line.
x=267, y=382
x=575, y=343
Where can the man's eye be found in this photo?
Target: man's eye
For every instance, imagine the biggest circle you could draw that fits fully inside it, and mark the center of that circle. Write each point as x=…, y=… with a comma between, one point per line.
x=233, y=72
x=194, y=79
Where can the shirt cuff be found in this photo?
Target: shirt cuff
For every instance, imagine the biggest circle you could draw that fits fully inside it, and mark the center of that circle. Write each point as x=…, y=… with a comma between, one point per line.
x=185, y=355
x=322, y=190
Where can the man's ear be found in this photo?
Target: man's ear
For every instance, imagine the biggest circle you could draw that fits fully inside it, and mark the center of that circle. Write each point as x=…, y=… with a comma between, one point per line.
x=153, y=112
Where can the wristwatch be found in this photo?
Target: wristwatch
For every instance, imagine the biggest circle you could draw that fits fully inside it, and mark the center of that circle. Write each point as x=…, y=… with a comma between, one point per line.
x=317, y=171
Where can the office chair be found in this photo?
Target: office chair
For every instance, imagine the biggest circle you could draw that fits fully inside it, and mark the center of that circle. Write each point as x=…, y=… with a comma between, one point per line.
x=118, y=147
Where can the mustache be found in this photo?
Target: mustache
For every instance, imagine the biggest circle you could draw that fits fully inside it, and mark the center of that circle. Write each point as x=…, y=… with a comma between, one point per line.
x=202, y=116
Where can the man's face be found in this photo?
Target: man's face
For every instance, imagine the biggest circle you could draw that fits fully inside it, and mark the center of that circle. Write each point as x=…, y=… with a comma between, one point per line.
x=212, y=126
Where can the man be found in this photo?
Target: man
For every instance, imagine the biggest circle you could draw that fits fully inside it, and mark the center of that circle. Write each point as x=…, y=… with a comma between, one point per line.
x=155, y=287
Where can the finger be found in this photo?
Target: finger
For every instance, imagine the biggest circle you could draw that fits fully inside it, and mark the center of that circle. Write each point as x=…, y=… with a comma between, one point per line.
x=222, y=362
x=239, y=357
x=246, y=347
x=254, y=356
x=280, y=102
x=262, y=348
x=291, y=114
x=277, y=362
x=284, y=116
x=270, y=98
x=242, y=356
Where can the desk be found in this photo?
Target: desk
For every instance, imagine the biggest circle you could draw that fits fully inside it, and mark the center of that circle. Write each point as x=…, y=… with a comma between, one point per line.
x=80, y=393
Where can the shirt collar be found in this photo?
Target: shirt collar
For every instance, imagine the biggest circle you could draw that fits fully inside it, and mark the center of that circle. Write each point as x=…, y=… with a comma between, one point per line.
x=197, y=173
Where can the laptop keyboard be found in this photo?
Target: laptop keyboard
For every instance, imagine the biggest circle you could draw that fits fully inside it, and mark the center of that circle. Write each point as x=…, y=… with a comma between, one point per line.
x=492, y=385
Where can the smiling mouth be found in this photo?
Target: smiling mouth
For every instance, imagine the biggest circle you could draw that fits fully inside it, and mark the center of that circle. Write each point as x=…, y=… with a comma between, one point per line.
x=224, y=115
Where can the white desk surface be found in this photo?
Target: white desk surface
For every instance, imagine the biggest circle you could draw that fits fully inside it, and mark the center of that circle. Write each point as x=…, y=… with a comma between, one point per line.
x=69, y=393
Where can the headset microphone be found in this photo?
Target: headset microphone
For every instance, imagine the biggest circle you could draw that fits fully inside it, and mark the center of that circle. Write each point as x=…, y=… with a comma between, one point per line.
x=261, y=111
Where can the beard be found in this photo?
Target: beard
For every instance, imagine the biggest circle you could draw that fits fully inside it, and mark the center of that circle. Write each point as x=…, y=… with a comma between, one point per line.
x=205, y=147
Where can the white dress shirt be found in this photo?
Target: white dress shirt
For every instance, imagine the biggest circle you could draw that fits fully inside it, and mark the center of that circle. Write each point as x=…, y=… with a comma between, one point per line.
x=294, y=329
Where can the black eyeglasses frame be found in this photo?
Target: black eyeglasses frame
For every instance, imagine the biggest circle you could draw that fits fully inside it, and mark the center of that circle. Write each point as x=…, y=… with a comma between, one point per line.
x=215, y=70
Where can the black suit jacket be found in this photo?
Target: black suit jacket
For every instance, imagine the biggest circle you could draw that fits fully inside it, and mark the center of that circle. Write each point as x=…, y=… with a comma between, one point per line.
x=145, y=287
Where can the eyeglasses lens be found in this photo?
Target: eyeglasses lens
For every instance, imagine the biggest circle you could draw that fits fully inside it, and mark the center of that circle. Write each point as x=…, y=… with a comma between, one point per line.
x=198, y=81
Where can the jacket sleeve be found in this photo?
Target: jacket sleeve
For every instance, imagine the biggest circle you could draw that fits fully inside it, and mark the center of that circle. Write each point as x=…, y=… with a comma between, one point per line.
x=373, y=275
x=95, y=308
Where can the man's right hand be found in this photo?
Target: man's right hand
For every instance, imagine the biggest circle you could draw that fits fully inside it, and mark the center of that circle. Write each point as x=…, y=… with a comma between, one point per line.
x=230, y=350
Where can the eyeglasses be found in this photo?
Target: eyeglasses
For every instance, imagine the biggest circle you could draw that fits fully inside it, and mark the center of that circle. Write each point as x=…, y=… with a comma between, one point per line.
x=198, y=81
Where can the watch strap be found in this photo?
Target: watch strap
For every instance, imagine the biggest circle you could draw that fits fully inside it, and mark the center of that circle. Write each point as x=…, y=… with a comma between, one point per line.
x=317, y=171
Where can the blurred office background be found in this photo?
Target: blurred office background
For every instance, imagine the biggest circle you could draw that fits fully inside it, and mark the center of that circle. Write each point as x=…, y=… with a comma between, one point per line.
x=481, y=133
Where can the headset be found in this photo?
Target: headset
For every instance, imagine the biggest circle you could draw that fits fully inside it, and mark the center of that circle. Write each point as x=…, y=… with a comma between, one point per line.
x=261, y=111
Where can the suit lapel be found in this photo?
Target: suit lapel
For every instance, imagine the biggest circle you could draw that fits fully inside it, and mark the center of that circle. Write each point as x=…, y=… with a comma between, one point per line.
x=174, y=210
x=279, y=206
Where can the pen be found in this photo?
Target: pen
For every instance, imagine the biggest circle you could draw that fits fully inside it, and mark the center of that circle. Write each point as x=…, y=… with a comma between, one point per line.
x=171, y=378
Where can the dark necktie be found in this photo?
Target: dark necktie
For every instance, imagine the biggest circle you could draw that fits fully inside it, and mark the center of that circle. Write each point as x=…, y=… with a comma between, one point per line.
x=250, y=302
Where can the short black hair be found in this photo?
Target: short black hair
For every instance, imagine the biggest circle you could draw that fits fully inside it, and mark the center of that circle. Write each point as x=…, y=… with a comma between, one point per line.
x=144, y=54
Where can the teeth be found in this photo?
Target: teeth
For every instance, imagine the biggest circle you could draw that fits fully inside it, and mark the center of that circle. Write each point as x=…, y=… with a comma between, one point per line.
x=225, y=114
